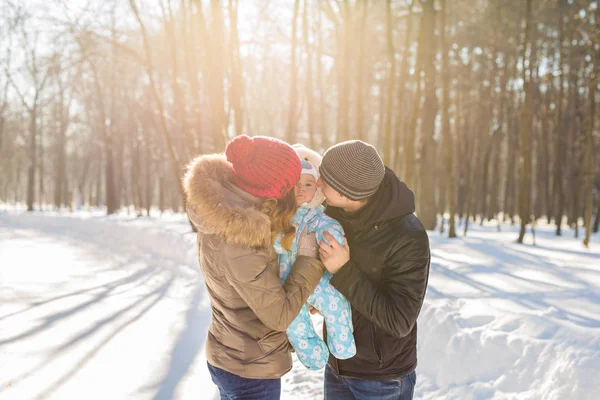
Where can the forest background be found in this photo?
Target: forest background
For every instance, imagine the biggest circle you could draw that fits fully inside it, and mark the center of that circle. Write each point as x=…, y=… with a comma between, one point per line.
x=487, y=109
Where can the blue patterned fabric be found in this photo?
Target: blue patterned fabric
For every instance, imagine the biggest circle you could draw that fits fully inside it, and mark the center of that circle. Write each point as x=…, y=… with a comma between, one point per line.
x=310, y=348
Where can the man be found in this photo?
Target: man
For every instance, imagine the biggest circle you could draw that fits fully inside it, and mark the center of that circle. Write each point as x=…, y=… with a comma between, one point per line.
x=382, y=270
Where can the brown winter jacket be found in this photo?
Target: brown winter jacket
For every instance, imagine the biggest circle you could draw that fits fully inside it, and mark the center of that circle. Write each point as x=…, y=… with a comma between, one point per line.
x=251, y=309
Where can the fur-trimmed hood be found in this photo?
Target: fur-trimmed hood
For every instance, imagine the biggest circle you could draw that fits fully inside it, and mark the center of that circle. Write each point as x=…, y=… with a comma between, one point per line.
x=215, y=205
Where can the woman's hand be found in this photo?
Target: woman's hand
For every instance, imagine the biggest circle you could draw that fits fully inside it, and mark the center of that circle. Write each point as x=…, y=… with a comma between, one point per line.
x=308, y=245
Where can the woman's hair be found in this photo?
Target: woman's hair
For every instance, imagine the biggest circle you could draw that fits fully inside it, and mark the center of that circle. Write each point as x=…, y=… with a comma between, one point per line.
x=280, y=212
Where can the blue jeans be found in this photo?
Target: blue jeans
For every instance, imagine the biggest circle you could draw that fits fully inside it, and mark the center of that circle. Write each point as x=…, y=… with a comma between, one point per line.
x=234, y=387
x=361, y=389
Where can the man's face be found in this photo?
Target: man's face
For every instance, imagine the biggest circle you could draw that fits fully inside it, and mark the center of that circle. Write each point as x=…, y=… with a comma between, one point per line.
x=333, y=197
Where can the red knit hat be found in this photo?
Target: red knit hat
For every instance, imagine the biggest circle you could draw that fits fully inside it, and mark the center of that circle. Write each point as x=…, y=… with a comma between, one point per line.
x=263, y=166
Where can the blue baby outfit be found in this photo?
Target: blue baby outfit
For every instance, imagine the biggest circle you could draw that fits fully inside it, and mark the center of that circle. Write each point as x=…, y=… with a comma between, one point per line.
x=310, y=348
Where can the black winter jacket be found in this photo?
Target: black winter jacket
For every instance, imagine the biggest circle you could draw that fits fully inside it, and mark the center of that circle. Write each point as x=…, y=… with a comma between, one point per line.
x=385, y=282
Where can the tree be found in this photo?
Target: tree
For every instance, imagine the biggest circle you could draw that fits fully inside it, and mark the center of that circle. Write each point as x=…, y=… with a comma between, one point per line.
x=38, y=73
x=560, y=133
x=588, y=155
x=343, y=71
x=447, y=139
x=427, y=205
x=402, y=91
x=164, y=129
x=411, y=133
x=61, y=114
x=525, y=131
x=125, y=106
x=293, y=95
x=310, y=113
x=387, y=130
x=236, y=90
x=360, y=92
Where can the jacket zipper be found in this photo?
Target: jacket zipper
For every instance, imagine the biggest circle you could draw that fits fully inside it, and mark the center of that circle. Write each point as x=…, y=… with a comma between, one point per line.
x=376, y=345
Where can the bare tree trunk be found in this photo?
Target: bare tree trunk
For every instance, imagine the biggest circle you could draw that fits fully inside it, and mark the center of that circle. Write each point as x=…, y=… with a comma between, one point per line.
x=427, y=209
x=474, y=162
x=577, y=182
x=135, y=174
x=148, y=180
x=391, y=54
x=178, y=100
x=343, y=71
x=571, y=159
x=310, y=113
x=236, y=91
x=448, y=139
x=546, y=143
x=217, y=63
x=161, y=192
x=32, y=111
x=411, y=133
x=192, y=67
x=489, y=185
x=512, y=153
x=400, y=113
x=460, y=152
x=324, y=136
x=381, y=110
x=175, y=162
x=107, y=146
x=61, y=173
x=293, y=110
x=112, y=202
x=597, y=219
x=503, y=142
x=540, y=136
x=33, y=158
x=588, y=155
x=2, y=110
x=98, y=194
x=360, y=91
x=525, y=132
x=17, y=180
x=42, y=170
x=119, y=176
x=558, y=188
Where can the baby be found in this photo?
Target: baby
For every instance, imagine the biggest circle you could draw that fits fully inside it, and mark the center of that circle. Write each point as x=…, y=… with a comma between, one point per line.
x=311, y=219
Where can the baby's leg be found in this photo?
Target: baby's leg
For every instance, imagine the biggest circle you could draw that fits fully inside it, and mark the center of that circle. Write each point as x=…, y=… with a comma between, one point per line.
x=338, y=318
x=310, y=348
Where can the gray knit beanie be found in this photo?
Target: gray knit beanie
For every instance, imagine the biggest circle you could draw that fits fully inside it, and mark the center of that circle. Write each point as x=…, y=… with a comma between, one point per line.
x=353, y=168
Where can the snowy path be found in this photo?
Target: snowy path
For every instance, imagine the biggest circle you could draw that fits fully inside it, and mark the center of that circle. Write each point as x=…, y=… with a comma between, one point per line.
x=114, y=308
x=101, y=309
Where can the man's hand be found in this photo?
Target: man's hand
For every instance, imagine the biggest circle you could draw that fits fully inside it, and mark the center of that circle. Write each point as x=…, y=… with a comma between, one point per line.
x=334, y=256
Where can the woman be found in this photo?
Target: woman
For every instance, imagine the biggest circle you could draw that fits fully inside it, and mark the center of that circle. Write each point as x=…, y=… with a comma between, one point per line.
x=241, y=202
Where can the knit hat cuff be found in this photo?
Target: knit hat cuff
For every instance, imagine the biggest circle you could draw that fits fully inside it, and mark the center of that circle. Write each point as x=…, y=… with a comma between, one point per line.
x=263, y=191
x=345, y=190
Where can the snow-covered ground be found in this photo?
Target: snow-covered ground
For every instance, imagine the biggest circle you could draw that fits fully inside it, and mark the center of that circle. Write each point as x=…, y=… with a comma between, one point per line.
x=114, y=308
